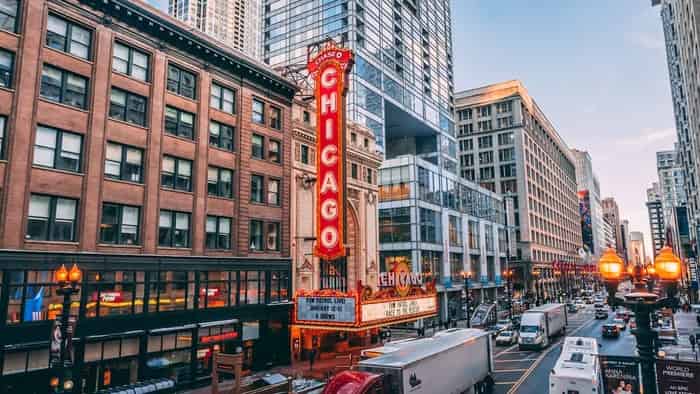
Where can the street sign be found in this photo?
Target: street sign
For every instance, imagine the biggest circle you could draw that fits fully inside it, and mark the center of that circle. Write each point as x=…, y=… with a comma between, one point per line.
x=620, y=374
x=678, y=377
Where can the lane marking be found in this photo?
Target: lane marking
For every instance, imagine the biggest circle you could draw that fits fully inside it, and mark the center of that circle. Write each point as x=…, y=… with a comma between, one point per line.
x=519, y=360
x=509, y=370
x=505, y=350
x=543, y=355
x=506, y=383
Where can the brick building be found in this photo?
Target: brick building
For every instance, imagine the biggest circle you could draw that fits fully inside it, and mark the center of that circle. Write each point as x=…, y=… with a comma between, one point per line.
x=160, y=163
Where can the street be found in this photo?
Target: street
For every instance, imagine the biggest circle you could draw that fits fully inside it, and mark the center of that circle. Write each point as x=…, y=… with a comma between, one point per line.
x=528, y=371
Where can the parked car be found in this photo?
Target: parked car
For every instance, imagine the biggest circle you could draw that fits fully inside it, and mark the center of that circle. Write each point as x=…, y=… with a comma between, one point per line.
x=601, y=313
x=507, y=337
x=504, y=324
x=621, y=324
x=610, y=330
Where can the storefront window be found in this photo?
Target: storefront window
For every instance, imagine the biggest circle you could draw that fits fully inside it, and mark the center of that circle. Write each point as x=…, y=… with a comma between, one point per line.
x=279, y=283
x=114, y=293
x=252, y=290
x=214, y=289
x=25, y=361
x=169, y=354
x=173, y=290
x=32, y=297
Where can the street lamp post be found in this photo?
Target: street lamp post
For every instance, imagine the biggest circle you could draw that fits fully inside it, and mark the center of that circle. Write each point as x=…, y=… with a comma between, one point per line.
x=508, y=274
x=467, y=276
x=67, y=282
x=667, y=270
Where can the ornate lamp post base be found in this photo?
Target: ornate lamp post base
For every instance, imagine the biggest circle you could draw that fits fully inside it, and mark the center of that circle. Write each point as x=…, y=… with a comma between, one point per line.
x=643, y=304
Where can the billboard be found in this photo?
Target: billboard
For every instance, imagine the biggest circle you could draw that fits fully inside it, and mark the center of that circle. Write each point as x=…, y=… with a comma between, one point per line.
x=620, y=374
x=584, y=207
x=678, y=377
x=329, y=68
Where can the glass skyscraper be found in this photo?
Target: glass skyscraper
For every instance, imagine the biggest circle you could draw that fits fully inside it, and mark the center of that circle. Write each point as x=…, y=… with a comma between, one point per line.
x=402, y=84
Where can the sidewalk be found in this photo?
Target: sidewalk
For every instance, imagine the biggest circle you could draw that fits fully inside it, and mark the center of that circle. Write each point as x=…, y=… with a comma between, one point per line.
x=686, y=324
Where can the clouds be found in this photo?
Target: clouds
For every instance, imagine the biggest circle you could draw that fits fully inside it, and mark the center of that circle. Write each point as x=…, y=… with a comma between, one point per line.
x=650, y=138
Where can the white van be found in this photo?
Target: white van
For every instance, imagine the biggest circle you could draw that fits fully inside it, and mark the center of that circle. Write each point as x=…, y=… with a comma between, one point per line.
x=577, y=371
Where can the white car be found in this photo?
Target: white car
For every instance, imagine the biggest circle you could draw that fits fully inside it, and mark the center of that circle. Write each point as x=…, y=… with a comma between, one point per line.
x=507, y=337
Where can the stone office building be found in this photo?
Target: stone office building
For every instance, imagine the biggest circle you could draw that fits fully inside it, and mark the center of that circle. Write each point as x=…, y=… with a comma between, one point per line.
x=159, y=162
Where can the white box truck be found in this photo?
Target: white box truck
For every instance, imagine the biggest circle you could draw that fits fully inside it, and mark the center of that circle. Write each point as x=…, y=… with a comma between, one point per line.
x=451, y=362
x=577, y=370
x=538, y=325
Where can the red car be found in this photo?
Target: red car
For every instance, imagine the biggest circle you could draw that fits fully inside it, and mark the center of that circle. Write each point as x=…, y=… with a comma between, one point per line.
x=611, y=330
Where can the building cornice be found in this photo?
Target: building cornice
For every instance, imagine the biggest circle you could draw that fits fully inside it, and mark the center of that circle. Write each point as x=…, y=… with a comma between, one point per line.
x=170, y=32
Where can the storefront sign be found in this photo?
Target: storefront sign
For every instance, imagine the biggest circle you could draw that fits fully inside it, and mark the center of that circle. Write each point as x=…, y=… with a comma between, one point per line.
x=209, y=291
x=398, y=309
x=110, y=296
x=329, y=68
x=326, y=309
x=620, y=374
x=678, y=377
x=401, y=278
x=226, y=336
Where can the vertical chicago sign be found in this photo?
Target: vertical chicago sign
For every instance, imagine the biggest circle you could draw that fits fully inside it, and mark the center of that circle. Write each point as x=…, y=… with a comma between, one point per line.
x=329, y=68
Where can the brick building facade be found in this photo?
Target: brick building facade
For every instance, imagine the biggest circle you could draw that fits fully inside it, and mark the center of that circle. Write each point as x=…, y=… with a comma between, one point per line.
x=160, y=162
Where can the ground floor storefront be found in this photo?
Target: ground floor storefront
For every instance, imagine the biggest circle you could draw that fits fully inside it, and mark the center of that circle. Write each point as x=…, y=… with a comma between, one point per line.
x=141, y=317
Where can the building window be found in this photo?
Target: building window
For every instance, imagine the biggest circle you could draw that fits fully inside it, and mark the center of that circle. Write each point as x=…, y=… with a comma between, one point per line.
x=507, y=154
x=506, y=138
x=124, y=162
x=464, y=114
x=485, y=157
x=503, y=107
x=258, y=114
x=279, y=286
x=51, y=218
x=130, y=61
x=474, y=236
x=485, y=142
x=484, y=111
x=252, y=287
x=223, y=99
x=507, y=170
x=353, y=171
x=221, y=136
x=181, y=82
x=57, y=149
x=394, y=225
x=466, y=145
x=256, y=237
x=3, y=131
x=469, y=174
x=273, y=192
x=8, y=14
x=486, y=173
x=220, y=182
x=430, y=226
x=63, y=87
x=272, y=236
x=274, y=149
x=174, y=229
x=218, y=232
x=120, y=224
x=127, y=107
x=257, y=150
x=7, y=65
x=431, y=264
x=68, y=37
x=455, y=230
x=304, y=153
x=394, y=183
x=179, y=123
x=456, y=267
x=369, y=176
x=275, y=118
x=484, y=125
x=176, y=173
x=256, y=188
x=306, y=117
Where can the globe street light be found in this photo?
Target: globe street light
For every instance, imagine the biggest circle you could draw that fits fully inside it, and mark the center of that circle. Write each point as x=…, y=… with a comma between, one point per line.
x=667, y=268
x=67, y=282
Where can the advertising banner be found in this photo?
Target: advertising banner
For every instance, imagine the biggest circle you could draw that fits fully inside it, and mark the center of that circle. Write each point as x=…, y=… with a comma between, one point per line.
x=620, y=374
x=678, y=377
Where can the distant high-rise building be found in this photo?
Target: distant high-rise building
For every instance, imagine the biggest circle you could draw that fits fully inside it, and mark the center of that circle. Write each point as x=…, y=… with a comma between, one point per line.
x=236, y=23
x=609, y=231
x=507, y=145
x=670, y=173
x=611, y=213
x=636, y=248
x=590, y=208
x=681, y=26
x=625, y=238
x=656, y=217
x=401, y=86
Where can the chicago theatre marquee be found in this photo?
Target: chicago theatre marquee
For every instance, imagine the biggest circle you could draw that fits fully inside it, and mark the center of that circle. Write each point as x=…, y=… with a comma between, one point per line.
x=341, y=298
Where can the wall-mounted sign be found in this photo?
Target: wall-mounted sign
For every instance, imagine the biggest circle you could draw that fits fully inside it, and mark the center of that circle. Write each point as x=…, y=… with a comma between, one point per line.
x=326, y=309
x=226, y=336
x=401, y=278
x=209, y=291
x=330, y=68
x=110, y=296
x=398, y=309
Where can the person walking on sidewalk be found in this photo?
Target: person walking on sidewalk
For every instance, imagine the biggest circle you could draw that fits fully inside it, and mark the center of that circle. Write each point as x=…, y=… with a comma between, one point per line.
x=692, y=340
x=312, y=358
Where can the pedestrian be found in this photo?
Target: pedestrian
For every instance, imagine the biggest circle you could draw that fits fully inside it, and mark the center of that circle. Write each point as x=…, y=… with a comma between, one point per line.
x=312, y=357
x=692, y=340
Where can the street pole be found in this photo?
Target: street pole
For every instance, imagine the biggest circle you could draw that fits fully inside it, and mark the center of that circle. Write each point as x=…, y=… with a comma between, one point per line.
x=643, y=304
x=466, y=292
x=68, y=282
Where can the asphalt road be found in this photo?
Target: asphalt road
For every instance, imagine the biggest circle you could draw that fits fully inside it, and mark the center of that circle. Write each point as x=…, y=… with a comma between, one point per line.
x=537, y=378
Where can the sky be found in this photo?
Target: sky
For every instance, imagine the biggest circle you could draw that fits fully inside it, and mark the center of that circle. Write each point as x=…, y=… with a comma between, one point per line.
x=597, y=68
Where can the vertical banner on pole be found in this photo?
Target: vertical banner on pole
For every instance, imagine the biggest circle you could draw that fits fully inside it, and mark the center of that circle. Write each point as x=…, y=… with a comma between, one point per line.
x=620, y=375
x=678, y=377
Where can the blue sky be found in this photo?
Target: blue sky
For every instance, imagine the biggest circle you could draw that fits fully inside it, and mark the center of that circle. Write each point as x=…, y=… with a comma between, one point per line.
x=596, y=67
